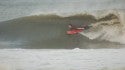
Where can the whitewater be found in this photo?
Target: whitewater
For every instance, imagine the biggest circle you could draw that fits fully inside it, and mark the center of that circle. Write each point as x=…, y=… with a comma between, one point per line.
x=110, y=26
x=53, y=59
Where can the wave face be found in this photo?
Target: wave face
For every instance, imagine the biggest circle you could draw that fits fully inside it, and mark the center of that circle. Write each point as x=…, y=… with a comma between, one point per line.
x=43, y=31
x=49, y=31
x=10, y=9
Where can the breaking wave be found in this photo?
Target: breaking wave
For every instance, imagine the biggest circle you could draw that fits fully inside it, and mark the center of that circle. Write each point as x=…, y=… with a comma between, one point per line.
x=49, y=30
x=109, y=26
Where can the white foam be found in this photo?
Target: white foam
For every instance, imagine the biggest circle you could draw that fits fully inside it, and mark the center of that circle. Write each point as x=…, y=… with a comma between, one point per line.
x=111, y=31
x=91, y=59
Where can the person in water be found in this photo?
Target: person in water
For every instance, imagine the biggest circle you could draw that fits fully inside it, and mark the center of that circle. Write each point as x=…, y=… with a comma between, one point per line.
x=75, y=30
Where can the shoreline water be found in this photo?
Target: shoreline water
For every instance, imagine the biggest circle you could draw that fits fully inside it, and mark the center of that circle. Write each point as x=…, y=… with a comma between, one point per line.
x=76, y=59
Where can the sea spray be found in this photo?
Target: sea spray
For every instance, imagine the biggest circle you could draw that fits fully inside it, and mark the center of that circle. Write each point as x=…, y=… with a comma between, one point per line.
x=109, y=27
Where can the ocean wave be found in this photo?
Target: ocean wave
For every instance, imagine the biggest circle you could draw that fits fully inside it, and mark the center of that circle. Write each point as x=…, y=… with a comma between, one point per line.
x=108, y=24
x=49, y=30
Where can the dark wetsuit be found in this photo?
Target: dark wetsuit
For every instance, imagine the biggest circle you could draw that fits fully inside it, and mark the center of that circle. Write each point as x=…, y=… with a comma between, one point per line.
x=87, y=27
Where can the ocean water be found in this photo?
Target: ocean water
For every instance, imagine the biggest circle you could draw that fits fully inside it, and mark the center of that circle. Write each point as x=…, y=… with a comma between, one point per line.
x=10, y=9
x=53, y=59
x=41, y=24
x=33, y=35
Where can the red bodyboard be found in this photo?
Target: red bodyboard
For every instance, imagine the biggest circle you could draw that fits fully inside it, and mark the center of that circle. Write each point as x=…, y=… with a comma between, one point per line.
x=74, y=31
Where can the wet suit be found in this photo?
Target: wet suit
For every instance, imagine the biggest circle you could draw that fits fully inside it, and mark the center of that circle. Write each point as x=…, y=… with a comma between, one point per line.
x=84, y=27
x=87, y=27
